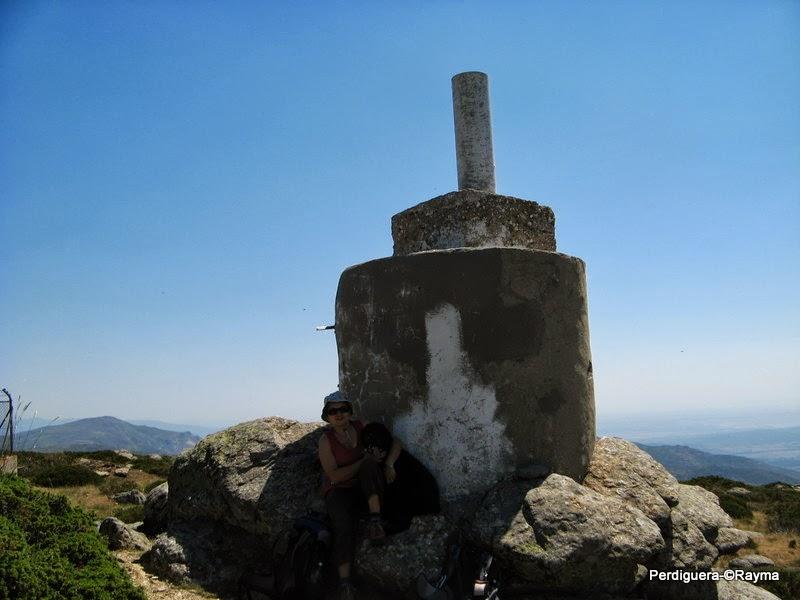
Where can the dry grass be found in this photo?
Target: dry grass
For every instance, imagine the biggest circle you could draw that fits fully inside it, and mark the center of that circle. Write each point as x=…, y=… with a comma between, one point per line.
x=94, y=500
x=773, y=545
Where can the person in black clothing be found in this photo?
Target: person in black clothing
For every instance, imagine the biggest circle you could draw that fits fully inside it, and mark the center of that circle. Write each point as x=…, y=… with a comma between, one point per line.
x=414, y=490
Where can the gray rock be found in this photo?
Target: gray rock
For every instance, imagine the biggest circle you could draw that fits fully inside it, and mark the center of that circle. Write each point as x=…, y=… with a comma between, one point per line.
x=564, y=537
x=167, y=559
x=730, y=539
x=122, y=537
x=155, y=505
x=739, y=491
x=102, y=473
x=742, y=590
x=122, y=471
x=621, y=469
x=702, y=508
x=393, y=566
x=751, y=562
x=206, y=553
x=686, y=548
x=706, y=590
x=130, y=497
x=258, y=476
x=154, y=456
x=125, y=454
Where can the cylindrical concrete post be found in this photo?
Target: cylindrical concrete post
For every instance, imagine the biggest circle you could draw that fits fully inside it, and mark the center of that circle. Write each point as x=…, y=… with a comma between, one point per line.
x=473, y=125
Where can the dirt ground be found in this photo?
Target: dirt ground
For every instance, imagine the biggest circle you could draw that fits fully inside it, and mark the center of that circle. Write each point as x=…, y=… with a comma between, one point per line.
x=154, y=587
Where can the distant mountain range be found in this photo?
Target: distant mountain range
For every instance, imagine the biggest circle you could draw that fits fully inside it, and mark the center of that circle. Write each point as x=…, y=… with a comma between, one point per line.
x=685, y=463
x=105, y=433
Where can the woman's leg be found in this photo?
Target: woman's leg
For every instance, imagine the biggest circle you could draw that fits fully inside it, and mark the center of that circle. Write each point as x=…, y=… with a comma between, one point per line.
x=343, y=507
x=372, y=484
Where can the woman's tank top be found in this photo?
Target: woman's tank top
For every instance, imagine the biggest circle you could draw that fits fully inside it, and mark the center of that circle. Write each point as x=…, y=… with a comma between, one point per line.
x=343, y=455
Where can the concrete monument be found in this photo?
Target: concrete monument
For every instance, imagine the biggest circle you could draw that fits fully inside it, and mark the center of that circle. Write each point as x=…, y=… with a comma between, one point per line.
x=472, y=341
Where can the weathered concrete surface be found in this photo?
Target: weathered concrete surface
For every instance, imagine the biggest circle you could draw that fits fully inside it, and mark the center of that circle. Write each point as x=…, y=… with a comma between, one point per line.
x=473, y=219
x=473, y=127
x=478, y=359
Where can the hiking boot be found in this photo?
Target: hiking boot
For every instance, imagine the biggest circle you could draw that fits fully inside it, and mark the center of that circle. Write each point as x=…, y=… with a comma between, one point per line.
x=375, y=529
x=346, y=591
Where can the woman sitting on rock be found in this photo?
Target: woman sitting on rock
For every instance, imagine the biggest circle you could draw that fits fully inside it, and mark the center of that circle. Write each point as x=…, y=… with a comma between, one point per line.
x=353, y=480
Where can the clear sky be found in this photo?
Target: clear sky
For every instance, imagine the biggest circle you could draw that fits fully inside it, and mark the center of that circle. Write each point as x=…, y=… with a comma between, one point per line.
x=181, y=184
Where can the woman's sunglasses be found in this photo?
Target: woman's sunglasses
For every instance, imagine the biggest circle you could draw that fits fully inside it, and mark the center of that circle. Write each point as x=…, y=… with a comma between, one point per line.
x=340, y=410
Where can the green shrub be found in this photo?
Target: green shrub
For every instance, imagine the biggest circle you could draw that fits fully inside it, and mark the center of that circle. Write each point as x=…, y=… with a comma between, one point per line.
x=50, y=550
x=63, y=475
x=131, y=513
x=154, y=485
x=784, y=515
x=114, y=485
x=735, y=506
x=159, y=466
x=788, y=586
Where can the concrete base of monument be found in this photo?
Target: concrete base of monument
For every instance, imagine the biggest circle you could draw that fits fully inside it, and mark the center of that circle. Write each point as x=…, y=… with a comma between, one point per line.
x=478, y=359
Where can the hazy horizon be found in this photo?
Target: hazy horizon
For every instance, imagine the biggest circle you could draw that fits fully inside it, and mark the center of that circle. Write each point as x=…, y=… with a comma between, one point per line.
x=182, y=187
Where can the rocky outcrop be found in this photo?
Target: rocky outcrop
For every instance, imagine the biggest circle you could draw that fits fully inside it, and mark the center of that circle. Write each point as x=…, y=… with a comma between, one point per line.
x=751, y=562
x=566, y=537
x=155, y=508
x=730, y=539
x=243, y=487
x=620, y=469
x=121, y=536
x=689, y=516
x=211, y=554
x=258, y=476
x=394, y=566
x=130, y=497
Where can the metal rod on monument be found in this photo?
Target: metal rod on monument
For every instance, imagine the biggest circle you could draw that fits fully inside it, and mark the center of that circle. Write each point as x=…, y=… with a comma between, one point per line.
x=10, y=420
x=473, y=125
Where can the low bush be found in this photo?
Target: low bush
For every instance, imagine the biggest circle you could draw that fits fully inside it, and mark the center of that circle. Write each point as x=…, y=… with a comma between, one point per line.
x=735, y=506
x=63, y=475
x=51, y=550
x=131, y=513
x=154, y=485
x=156, y=466
x=115, y=485
x=788, y=586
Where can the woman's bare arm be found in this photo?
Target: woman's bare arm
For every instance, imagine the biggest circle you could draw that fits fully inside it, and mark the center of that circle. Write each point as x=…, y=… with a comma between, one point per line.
x=334, y=472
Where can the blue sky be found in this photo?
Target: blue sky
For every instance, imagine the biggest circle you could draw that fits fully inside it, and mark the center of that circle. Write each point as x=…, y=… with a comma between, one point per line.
x=181, y=184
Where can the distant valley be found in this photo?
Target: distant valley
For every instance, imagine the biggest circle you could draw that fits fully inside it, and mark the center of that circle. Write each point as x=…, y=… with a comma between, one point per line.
x=686, y=463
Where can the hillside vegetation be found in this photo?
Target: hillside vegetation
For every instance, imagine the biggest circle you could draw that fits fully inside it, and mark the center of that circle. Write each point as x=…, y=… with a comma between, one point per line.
x=51, y=550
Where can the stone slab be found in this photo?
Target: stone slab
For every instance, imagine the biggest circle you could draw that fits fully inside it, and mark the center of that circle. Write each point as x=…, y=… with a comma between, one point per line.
x=473, y=219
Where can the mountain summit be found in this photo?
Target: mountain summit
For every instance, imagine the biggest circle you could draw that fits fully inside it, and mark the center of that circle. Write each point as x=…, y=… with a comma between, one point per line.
x=105, y=433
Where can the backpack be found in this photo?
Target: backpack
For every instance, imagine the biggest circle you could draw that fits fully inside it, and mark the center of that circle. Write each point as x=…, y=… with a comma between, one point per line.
x=468, y=572
x=301, y=562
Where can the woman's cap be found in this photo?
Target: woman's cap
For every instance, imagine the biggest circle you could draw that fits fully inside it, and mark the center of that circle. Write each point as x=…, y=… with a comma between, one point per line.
x=336, y=396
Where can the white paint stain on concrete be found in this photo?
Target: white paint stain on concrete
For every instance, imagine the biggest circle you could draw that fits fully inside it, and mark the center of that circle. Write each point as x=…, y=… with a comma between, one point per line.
x=455, y=429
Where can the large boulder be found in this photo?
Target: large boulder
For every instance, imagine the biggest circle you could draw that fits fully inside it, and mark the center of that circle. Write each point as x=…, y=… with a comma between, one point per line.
x=621, y=469
x=155, y=505
x=686, y=548
x=393, y=566
x=130, y=497
x=702, y=508
x=121, y=536
x=258, y=476
x=211, y=554
x=567, y=538
x=730, y=539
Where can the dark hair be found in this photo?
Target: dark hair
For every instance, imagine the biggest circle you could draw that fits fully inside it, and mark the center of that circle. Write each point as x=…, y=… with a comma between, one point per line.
x=377, y=435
